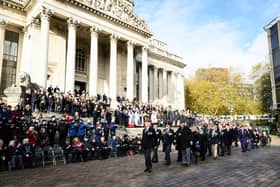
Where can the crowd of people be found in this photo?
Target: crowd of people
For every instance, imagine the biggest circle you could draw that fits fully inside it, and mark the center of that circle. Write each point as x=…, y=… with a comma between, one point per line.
x=194, y=142
x=86, y=130
x=127, y=113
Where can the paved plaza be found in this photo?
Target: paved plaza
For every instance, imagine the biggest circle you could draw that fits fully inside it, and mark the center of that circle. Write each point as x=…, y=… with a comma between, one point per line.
x=260, y=167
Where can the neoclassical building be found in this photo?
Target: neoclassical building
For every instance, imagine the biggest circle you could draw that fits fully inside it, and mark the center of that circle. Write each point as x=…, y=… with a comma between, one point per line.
x=96, y=45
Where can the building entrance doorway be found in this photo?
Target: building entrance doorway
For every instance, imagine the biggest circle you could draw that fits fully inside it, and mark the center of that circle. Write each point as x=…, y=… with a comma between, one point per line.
x=80, y=87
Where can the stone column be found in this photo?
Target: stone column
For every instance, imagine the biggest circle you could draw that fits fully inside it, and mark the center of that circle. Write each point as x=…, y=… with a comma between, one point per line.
x=130, y=72
x=182, y=85
x=3, y=24
x=27, y=48
x=169, y=87
x=144, y=75
x=71, y=55
x=155, y=83
x=45, y=27
x=93, y=66
x=25, y=42
x=113, y=68
x=151, y=84
x=173, y=89
x=178, y=90
x=160, y=85
x=164, y=85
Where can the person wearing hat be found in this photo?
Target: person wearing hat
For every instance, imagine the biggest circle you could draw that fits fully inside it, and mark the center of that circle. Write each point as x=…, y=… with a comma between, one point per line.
x=167, y=139
x=148, y=138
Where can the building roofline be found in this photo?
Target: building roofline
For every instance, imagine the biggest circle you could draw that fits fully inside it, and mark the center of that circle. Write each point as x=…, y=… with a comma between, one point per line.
x=271, y=23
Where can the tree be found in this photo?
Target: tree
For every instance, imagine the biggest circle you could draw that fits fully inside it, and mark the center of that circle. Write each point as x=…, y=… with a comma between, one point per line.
x=223, y=95
x=260, y=75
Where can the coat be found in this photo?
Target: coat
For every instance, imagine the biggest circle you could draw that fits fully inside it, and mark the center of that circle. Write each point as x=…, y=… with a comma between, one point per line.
x=228, y=136
x=168, y=136
x=148, y=138
x=185, y=137
x=157, y=137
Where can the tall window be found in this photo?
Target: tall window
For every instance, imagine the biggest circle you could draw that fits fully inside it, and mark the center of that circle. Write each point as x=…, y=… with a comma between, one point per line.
x=80, y=60
x=274, y=37
x=276, y=59
x=10, y=56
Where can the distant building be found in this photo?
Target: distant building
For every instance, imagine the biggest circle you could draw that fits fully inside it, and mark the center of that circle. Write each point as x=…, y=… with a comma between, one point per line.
x=273, y=36
x=213, y=74
x=225, y=77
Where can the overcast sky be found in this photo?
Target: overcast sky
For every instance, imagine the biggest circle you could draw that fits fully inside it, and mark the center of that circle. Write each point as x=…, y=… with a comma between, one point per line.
x=216, y=33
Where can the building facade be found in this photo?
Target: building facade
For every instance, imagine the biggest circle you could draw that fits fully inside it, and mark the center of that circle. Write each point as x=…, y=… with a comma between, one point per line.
x=273, y=36
x=96, y=45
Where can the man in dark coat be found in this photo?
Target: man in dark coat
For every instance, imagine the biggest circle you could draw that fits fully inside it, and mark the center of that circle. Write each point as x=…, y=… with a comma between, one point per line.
x=185, y=139
x=157, y=142
x=228, y=138
x=167, y=139
x=148, y=141
x=178, y=144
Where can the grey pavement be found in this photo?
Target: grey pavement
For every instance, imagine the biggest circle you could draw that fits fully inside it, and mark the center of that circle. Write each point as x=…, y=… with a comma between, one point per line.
x=259, y=167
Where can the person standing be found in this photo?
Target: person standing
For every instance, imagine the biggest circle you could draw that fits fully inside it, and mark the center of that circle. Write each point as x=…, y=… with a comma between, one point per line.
x=178, y=144
x=148, y=139
x=228, y=138
x=157, y=142
x=215, y=141
x=167, y=139
x=185, y=139
x=243, y=138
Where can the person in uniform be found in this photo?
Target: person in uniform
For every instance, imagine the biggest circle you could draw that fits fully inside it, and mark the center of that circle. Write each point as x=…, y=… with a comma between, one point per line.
x=157, y=142
x=148, y=141
x=167, y=139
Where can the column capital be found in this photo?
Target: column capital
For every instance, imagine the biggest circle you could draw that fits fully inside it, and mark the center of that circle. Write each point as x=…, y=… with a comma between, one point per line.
x=34, y=23
x=114, y=37
x=145, y=48
x=45, y=13
x=3, y=23
x=95, y=29
x=130, y=43
x=72, y=22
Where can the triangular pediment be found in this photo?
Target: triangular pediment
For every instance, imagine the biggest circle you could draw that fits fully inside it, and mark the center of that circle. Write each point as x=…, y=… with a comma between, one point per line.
x=119, y=10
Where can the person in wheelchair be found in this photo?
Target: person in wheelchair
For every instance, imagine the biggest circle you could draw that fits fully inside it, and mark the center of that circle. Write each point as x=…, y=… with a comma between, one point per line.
x=93, y=149
x=28, y=152
x=77, y=150
x=265, y=139
x=15, y=155
x=67, y=148
x=256, y=139
x=3, y=156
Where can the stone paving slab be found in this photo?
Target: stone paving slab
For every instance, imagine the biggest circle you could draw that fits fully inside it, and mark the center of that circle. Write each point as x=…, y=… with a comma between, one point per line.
x=260, y=167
